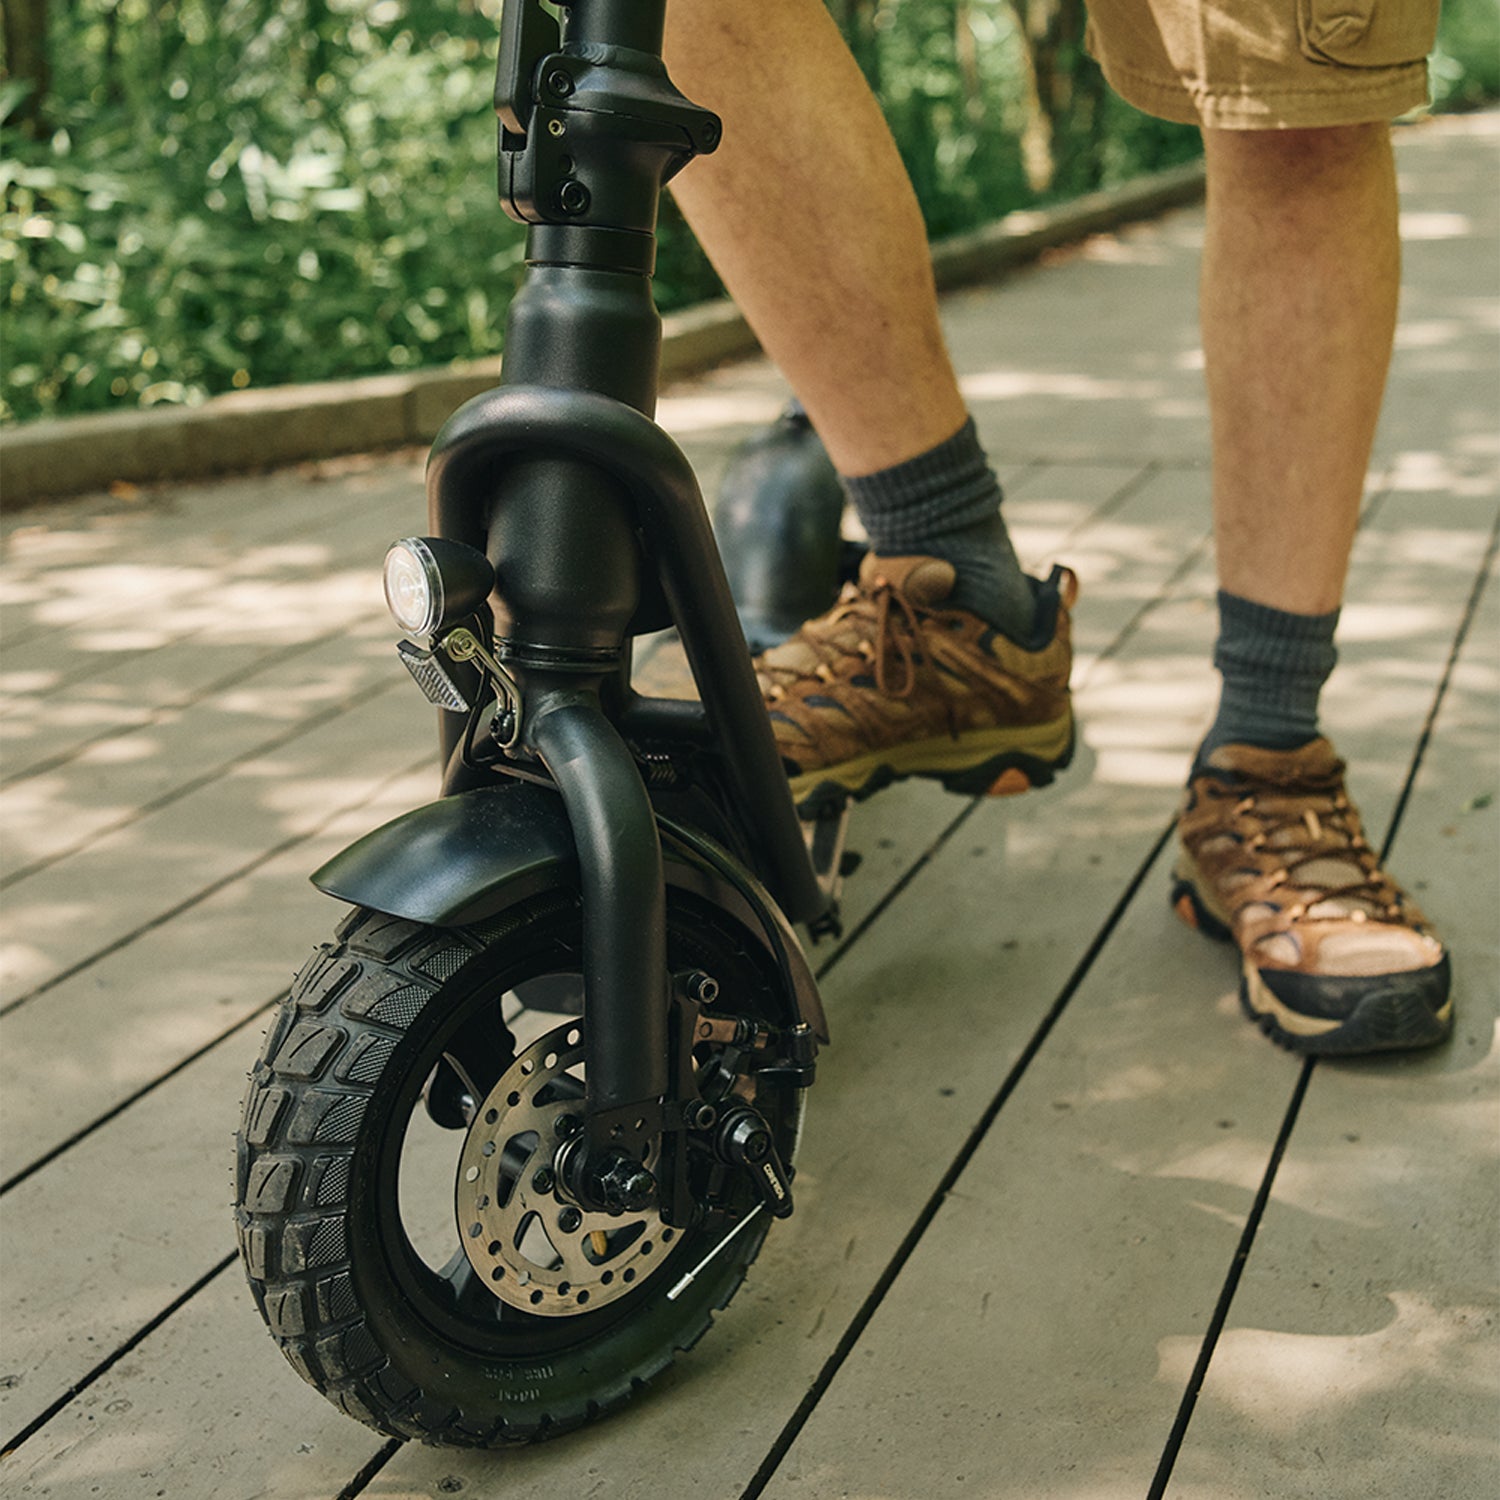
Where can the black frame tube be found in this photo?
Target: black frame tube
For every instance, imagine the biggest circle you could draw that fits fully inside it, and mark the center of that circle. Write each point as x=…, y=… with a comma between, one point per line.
x=669, y=507
x=624, y=901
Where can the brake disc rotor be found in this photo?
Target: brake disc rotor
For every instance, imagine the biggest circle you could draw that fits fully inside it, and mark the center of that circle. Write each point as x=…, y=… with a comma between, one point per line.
x=535, y=1249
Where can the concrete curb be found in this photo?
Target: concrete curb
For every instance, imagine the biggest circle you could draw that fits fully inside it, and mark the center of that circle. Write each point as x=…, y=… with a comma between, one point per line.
x=252, y=430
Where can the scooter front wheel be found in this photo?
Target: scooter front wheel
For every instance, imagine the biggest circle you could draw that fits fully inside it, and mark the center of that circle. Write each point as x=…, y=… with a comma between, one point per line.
x=398, y=1217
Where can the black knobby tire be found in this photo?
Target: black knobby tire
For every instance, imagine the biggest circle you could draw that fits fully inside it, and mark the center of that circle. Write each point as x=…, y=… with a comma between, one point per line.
x=404, y=1338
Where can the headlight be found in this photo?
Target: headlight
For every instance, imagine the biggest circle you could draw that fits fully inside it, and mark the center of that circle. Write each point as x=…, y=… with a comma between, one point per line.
x=431, y=583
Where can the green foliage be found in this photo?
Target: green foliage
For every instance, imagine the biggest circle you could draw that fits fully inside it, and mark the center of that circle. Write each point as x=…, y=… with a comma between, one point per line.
x=950, y=84
x=1466, y=66
x=968, y=100
x=250, y=192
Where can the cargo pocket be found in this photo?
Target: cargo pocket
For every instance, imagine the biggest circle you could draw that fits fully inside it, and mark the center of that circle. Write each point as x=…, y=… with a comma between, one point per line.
x=1367, y=33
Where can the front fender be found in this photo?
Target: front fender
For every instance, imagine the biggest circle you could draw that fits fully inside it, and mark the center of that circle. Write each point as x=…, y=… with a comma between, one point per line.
x=458, y=860
x=462, y=858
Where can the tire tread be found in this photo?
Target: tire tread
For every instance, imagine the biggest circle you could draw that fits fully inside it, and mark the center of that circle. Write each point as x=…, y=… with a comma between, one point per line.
x=303, y=1111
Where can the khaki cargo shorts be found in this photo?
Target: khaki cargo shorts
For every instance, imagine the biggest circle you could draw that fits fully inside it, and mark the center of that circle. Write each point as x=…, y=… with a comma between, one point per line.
x=1266, y=64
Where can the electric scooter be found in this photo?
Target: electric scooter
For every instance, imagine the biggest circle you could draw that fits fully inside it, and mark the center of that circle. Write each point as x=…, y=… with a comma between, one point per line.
x=521, y=1127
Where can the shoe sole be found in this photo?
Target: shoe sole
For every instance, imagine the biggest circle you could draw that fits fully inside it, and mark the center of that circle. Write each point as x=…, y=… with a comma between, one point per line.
x=1394, y=1017
x=989, y=763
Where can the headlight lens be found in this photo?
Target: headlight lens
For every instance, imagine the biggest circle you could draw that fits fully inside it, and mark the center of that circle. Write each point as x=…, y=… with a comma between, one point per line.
x=432, y=583
x=413, y=586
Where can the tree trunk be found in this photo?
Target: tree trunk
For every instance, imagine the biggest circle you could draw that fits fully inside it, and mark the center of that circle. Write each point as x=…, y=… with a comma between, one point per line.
x=27, y=59
x=1064, y=93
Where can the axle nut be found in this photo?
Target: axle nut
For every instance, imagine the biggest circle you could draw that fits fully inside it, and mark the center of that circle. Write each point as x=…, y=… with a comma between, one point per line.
x=625, y=1186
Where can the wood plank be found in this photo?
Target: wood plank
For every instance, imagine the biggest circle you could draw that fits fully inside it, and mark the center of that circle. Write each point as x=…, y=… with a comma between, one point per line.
x=119, y=671
x=143, y=1430
x=1359, y=1355
x=1098, y=361
x=69, y=562
x=111, y=781
x=123, y=620
x=1022, y=1346
x=115, y=1229
x=84, y=582
x=1443, y=397
x=190, y=980
x=106, y=1033
x=87, y=902
x=234, y=586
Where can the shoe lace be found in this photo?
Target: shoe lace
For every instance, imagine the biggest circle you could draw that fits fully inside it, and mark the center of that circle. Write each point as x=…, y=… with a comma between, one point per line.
x=1307, y=822
x=874, y=622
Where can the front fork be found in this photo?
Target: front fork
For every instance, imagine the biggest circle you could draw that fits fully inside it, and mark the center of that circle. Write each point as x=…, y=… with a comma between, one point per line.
x=563, y=726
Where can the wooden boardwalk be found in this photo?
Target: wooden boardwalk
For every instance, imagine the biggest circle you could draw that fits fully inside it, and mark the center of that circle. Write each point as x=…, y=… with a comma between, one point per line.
x=1056, y=1197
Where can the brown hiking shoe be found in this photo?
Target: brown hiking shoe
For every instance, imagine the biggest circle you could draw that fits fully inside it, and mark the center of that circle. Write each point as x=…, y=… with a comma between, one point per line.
x=889, y=684
x=1338, y=959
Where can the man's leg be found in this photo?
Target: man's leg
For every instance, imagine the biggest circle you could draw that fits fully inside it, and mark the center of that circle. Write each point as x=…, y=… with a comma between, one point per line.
x=945, y=660
x=1301, y=270
x=809, y=216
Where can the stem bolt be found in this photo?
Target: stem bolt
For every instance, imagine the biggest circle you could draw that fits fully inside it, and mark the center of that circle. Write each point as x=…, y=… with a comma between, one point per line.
x=573, y=198
x=560, y=83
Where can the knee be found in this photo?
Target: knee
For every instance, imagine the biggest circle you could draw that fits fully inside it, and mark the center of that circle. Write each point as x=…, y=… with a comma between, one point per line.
x=1288, y=161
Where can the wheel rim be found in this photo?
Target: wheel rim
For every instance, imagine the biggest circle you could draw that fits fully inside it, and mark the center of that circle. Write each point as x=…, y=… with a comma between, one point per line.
x=431, y=1268
x=537, y=1251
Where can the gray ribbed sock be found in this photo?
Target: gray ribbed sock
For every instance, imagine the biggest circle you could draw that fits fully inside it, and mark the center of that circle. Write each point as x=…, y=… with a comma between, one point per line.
x=946, y=503
x=1274, y=665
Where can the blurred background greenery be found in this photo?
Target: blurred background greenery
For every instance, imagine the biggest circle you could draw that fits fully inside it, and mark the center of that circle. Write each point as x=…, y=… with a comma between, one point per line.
x=204, y=195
